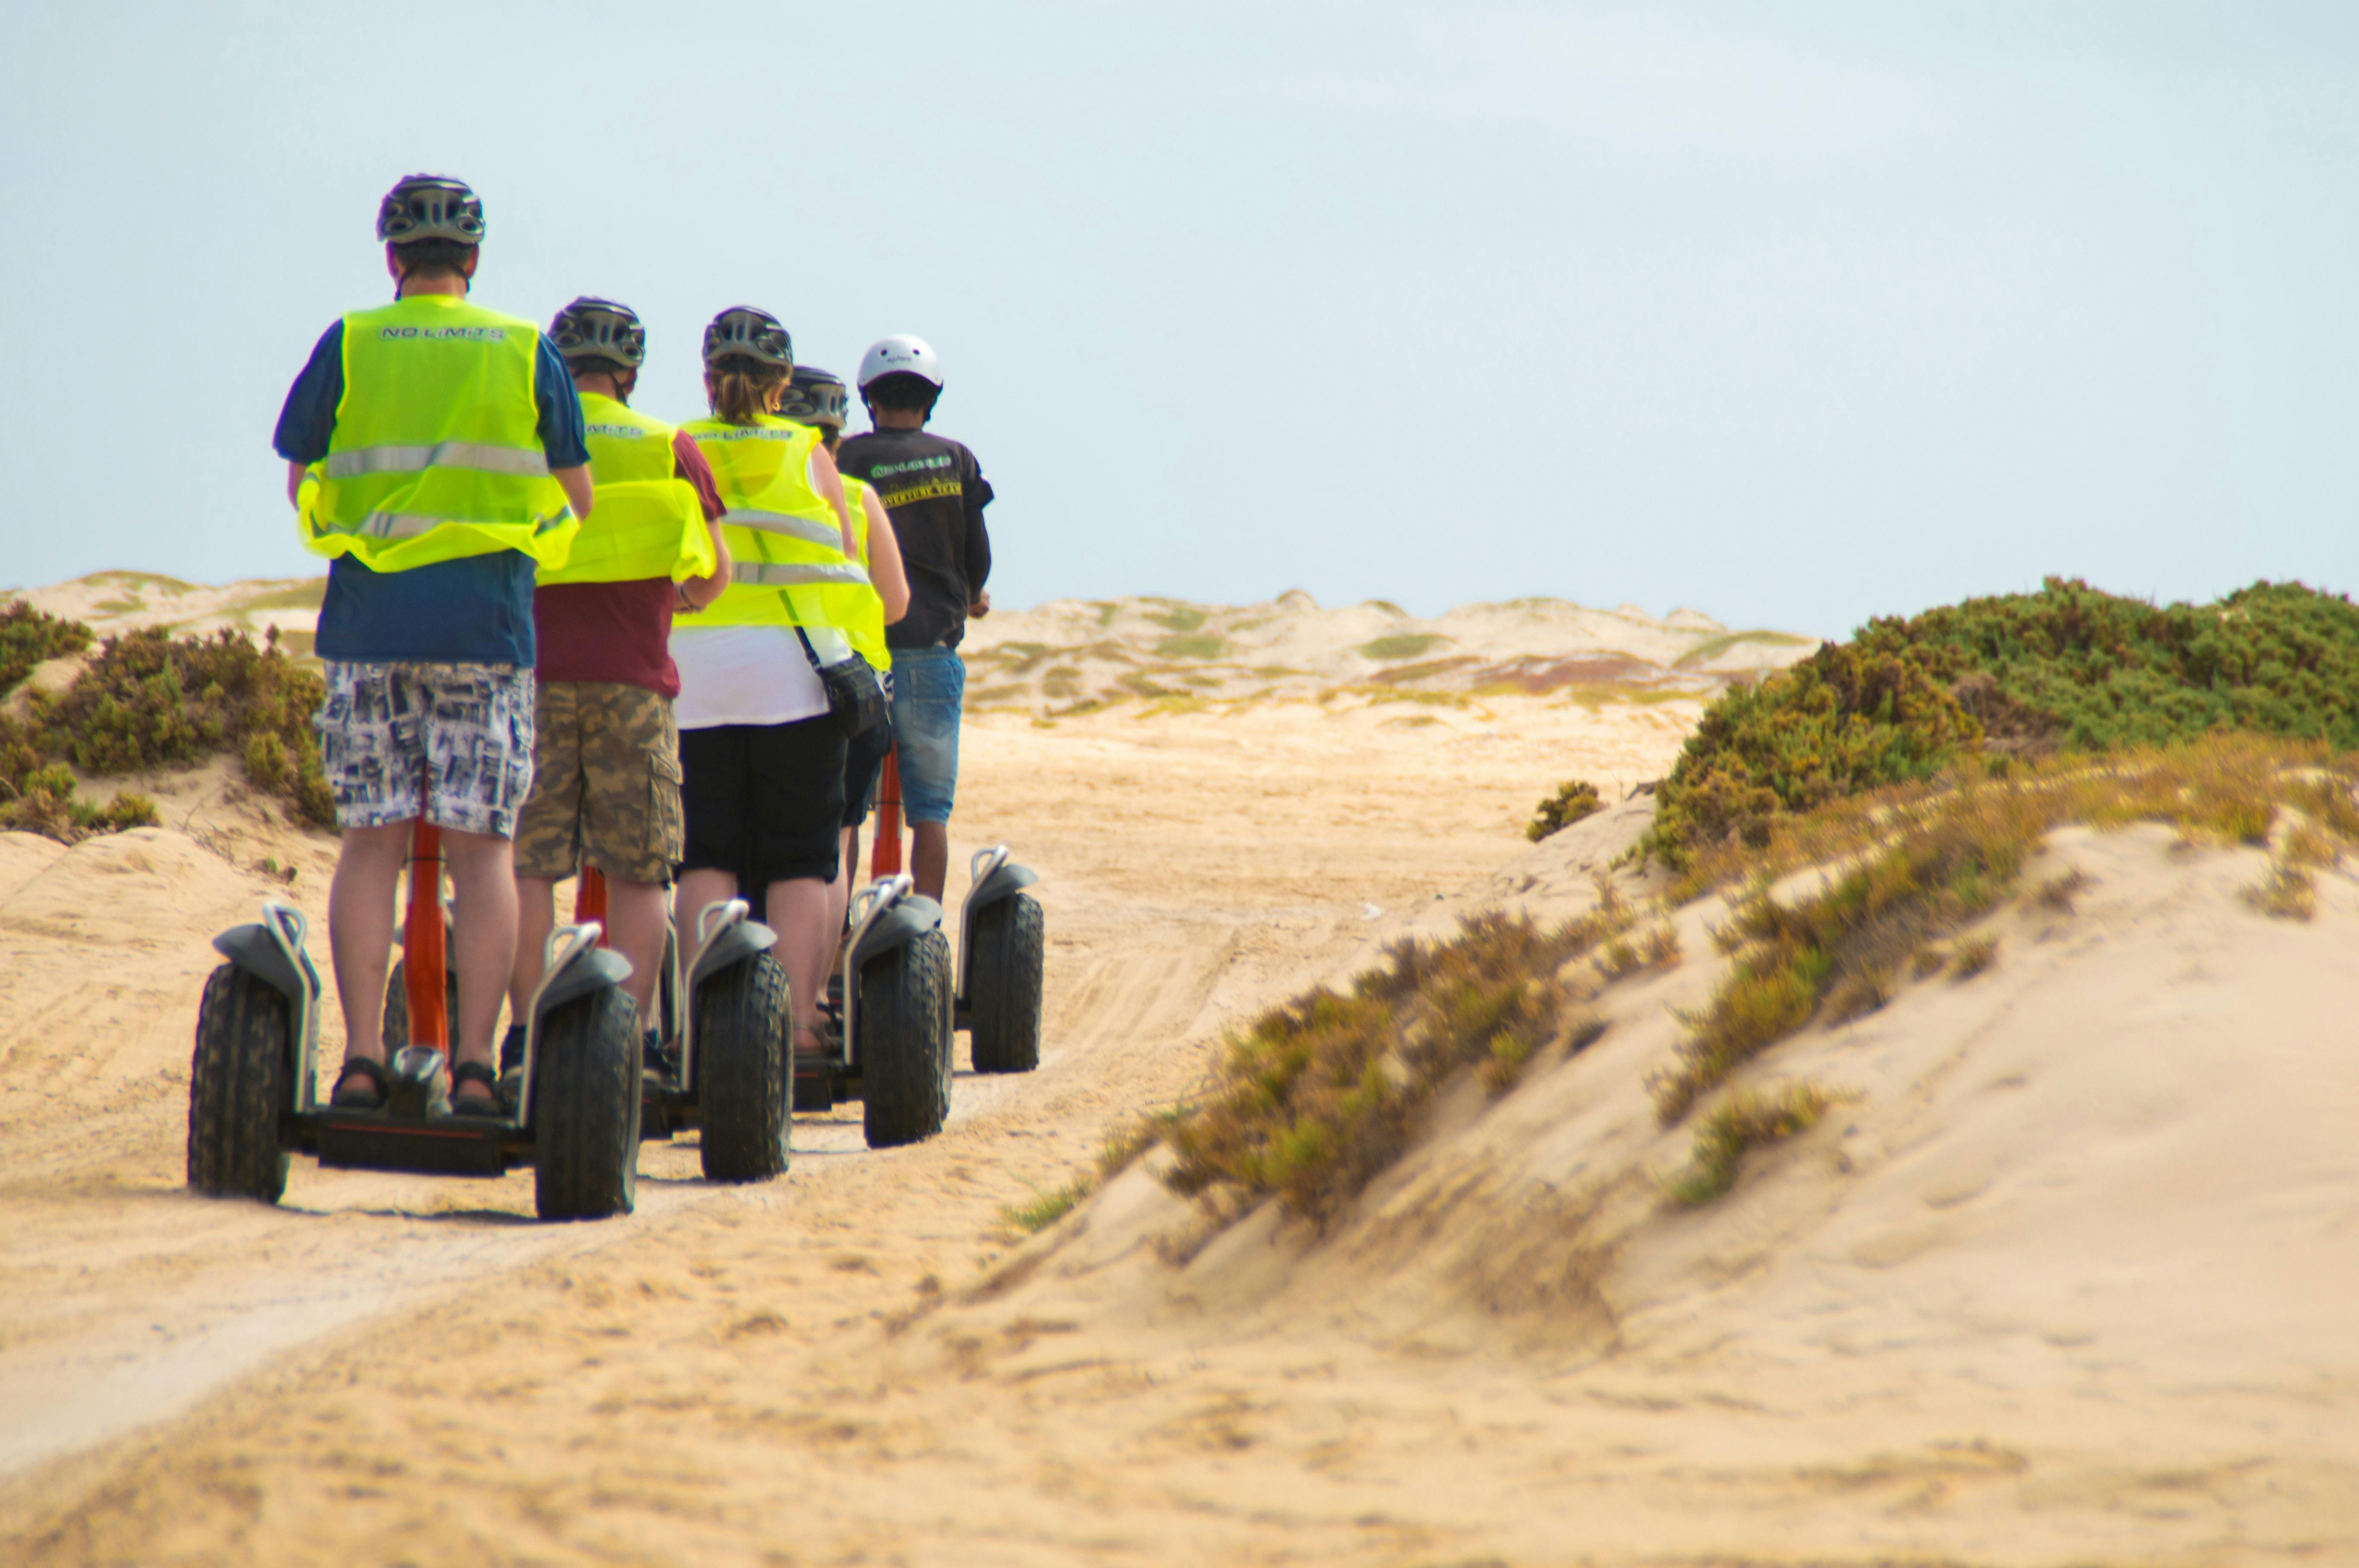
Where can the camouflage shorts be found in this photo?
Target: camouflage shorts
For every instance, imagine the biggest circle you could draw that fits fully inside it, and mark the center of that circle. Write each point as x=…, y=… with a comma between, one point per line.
x=605, y=785
x=451, y=743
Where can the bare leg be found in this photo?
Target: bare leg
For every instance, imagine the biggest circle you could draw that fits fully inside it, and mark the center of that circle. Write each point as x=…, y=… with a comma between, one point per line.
x=635, y=925
x=360, y=930
x=840, y=891
x=535, y=918
x=929, y=856
x=698, y=891
x=807, y=943
x=484, y=943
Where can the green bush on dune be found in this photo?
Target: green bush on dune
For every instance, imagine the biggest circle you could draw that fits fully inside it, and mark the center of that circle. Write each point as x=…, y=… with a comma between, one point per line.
x=29, y=637
x=149, y=700
x=2068, y=667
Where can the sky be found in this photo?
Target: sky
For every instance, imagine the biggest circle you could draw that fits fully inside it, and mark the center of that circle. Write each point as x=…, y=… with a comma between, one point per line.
x=1794, y=314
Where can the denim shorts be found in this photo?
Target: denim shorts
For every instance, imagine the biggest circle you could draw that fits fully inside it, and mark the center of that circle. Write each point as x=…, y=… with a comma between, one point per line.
x=929, y=686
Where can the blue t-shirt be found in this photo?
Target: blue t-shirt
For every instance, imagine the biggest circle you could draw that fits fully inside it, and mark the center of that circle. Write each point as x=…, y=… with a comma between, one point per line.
x=474, y=610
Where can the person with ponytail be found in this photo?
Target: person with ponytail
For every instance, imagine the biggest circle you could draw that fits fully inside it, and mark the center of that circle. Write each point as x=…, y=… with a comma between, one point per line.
x=761, y=752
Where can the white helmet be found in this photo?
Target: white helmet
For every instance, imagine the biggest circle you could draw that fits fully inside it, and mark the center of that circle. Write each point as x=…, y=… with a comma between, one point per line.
x=901, y=354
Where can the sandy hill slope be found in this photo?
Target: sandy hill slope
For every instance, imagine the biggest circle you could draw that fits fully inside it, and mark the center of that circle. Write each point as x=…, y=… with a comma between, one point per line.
x=2066, y=1275
x=115, y=601
x=1074, y=656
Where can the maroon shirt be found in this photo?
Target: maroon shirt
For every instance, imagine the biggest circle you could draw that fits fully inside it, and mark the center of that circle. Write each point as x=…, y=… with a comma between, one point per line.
x=619, y=632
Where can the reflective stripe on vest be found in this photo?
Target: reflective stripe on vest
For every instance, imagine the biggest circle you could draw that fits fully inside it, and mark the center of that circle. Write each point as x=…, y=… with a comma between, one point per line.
x=783, y=540
x=796, y=574
x=442, y=455
x=436, y=454
x=810, y=529
x=645, y=521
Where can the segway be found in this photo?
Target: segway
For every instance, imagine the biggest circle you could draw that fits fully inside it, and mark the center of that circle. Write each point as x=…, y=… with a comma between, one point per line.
x=723, y=1065
x=887, y=1029
x=1002, y=943
x=1003, y=939
x=886, y=1047
x=252, y=1096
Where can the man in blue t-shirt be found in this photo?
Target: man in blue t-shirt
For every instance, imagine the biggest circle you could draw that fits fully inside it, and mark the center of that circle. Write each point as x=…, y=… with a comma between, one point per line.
x=430, y=704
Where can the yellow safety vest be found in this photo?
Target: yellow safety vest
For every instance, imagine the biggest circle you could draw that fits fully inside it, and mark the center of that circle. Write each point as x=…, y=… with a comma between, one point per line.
x=783, y=536
x=436, y=454
x=646, y=521
x=856, y=609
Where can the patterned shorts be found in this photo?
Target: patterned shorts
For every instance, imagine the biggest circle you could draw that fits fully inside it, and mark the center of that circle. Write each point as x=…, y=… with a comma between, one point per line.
x=605, y=785
x=451, y=743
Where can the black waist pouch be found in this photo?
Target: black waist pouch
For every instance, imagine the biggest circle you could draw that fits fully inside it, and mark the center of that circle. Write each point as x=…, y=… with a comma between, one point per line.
x=855, y=698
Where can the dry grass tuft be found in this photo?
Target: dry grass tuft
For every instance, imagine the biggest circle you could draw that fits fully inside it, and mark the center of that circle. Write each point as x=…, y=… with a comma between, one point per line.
x=1741, y=1122
x=2057, y=893
x=1046, y=1209
x=2287, y=892
x=1974, y=955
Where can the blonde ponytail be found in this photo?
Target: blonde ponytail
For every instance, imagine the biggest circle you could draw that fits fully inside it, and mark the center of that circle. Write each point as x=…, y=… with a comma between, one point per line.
x=740, y=390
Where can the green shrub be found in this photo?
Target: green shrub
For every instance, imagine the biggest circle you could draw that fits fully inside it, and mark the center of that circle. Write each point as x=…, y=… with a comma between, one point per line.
x=1573, y=799
x=1400, y=644
x=29, y=637
x=2018, y=675
x=1321, y=1095
x=1738, y=1125
x=146, y=701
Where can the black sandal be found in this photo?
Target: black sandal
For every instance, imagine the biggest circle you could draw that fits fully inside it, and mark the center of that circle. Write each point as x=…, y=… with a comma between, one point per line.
x=476, y=1073
x=348, y=1096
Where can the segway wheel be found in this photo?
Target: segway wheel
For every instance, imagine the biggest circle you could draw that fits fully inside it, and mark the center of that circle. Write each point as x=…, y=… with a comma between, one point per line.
x=905, y=1043
x=238, y=1083
x=585, y=1107
x=396, y=1029
x=1003, y=985
x=745, y=1071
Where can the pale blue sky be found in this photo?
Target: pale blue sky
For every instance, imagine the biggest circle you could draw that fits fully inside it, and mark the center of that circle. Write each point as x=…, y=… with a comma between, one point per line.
x=1793, y=313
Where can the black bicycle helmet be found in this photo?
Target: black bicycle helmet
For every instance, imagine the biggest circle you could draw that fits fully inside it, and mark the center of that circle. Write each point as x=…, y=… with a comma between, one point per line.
x=430, y=207
x=816, y=396
x=743, y=332
x=597, y=328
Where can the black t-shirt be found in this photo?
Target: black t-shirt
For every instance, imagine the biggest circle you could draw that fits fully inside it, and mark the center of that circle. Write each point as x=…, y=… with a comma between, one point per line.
x=935, y=492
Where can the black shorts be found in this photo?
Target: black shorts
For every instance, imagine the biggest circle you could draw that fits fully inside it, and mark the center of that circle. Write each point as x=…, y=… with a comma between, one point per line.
x=863, y=760
x=763, y=802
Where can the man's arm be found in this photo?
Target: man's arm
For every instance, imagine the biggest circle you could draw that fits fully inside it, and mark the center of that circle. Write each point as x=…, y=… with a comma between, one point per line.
x=976, y=494
x=577, y=485
x=564, y=434
x=306, y=422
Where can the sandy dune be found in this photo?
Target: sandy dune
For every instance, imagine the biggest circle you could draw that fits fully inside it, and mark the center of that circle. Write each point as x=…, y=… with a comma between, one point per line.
x=2067, y=1279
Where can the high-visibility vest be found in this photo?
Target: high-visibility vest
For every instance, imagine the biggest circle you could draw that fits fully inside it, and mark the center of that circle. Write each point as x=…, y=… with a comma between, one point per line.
x=783, y=536
x=436, y=454
x=646, y=521
x=856, y=608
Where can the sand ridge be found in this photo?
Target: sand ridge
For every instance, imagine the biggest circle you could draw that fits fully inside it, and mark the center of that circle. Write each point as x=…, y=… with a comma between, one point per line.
x=2064, y=1279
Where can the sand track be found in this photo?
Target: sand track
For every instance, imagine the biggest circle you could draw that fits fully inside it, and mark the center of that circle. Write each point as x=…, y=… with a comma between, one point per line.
x=1194, y=867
